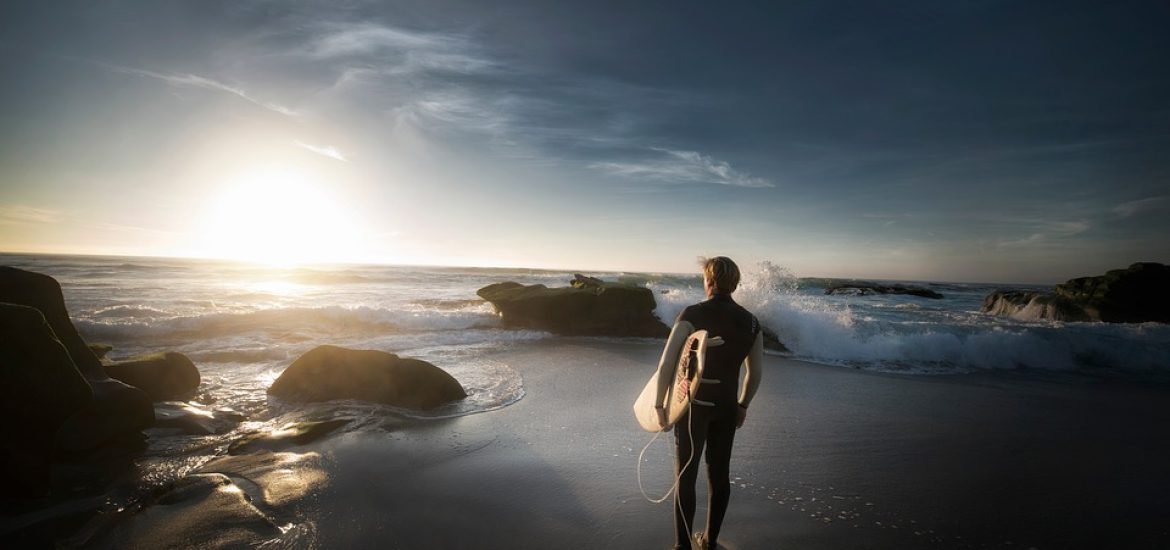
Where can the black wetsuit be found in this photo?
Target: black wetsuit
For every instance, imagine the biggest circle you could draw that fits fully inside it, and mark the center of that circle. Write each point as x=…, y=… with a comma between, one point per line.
x=710, y=421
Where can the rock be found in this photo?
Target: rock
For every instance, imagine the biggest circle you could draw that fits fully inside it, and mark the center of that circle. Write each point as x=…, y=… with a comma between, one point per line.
x=1032, y=306
x=192, y=419
x=42, y=292
x=584, y=281
x=163, y=376
x=330, y=372
x=772, y=341
x=289, y=435
x=117, y=412
x=282, y=478
x=100, y=351
x=204, y=510
x=39, y=389
x=863, y=288
x=590, y=308
x=1138, y=294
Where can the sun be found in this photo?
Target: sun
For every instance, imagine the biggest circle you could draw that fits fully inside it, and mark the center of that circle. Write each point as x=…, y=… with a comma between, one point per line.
x=279, y=216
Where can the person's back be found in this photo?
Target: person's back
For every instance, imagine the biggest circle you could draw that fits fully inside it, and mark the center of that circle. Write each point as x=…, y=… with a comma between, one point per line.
x=721, y=316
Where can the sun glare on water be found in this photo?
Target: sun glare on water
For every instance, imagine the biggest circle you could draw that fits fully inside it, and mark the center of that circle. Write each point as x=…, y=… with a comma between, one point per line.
x=280, y=217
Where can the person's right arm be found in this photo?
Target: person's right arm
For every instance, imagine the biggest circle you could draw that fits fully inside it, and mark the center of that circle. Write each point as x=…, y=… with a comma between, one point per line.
x=674, y=345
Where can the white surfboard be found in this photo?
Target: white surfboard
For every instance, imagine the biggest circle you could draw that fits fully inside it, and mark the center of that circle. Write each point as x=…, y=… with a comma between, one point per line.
x=688, y=372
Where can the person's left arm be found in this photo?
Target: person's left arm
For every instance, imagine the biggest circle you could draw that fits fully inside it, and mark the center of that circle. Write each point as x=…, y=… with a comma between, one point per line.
x=751, y=379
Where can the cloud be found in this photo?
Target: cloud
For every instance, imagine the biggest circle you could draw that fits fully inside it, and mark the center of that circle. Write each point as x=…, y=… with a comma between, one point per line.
x=1049, y=232
x=196, y=81
x=1131, y=208
x=14, y=214
x=398, y=49
x=683, y=167
x=328, y=151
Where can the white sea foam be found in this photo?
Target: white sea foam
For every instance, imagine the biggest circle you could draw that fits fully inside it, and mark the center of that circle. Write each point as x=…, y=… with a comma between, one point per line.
x=829, y=329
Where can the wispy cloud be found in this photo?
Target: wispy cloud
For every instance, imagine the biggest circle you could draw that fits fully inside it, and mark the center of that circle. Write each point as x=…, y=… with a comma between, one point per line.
x=196, y=81
x=19, y=214
x=683, y=167
x=1048, y=232
x=327, y=151
x=1131, y=208
x=398, y=50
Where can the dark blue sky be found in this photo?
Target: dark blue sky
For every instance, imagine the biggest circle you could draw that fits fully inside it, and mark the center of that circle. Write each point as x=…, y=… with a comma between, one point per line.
x=1000, y=141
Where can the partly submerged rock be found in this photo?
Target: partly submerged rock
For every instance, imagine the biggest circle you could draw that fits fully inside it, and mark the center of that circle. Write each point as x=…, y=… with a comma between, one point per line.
x=588, y=308
x=289, y=435
x=279, y=478
x=163, y=376
x=330, y=372
x=192, y=419
x=201, y=510
x=863, y=288
x=1138, y=294
x=1032, y=306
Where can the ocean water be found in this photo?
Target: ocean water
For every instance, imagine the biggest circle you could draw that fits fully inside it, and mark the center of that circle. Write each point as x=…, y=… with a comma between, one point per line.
x=243, y=324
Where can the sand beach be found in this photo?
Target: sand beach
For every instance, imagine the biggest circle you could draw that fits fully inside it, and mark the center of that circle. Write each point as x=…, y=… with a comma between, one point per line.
x=829, y=458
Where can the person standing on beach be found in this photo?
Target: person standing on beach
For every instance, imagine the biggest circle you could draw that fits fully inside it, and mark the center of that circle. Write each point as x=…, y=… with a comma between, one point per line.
x=718, y=409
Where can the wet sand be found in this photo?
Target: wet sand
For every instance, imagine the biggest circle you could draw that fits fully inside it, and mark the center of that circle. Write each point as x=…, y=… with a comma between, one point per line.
x=829, y=458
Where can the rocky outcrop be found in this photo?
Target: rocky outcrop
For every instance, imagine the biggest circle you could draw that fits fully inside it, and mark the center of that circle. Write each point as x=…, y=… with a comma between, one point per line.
x=40, y=389
x=116, y=413
x=1138, y=294
x=55, y=393
x=330, y=372
x=163, y=376
x=589, y=307
x=864, y=288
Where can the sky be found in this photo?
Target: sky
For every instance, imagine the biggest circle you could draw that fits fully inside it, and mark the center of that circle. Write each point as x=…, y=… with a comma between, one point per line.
x=917, y=140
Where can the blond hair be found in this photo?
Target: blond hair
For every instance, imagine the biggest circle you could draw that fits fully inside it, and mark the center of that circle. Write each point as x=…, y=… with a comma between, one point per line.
x=722, y=272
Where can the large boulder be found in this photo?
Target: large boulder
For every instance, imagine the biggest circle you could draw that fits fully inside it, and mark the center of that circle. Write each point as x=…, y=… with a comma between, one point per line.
x=1138, y=294
x=163, y=376
x=39, y=389
x=330, y=372
x=116, y=412
x=589, y=307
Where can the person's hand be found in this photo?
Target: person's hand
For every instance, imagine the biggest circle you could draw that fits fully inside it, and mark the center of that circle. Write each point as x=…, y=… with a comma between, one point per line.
x=714, y=341
x=740, y=416
x=662, y=418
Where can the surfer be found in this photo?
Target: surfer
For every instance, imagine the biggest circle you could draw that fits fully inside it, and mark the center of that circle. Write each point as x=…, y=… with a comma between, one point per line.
x=718, y=409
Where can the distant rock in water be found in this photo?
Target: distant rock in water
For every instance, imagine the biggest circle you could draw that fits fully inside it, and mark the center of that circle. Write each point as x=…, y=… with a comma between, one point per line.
x=163, y=376
x=1138, y=294
x=590, y=307
x=330, y=372
x=863, y=288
